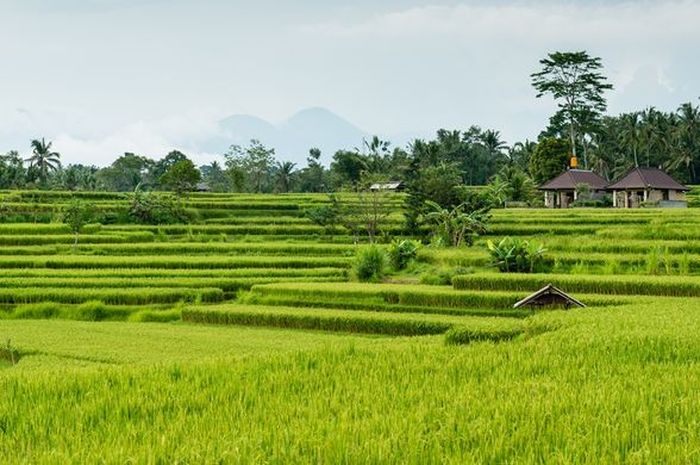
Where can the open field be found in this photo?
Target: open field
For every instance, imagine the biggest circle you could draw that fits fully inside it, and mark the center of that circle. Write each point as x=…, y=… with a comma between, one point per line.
x=238, y=339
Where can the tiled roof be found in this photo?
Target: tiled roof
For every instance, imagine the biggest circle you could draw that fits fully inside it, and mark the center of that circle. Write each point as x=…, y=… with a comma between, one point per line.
x=570, y=178
x=644, y=178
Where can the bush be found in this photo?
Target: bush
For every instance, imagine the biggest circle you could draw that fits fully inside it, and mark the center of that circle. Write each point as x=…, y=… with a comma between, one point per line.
x=401, y=252
x=516, y=255
x=156, y=208
x=369, y=264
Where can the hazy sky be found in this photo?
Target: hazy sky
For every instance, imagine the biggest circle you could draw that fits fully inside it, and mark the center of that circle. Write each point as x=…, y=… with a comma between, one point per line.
x=101, y=77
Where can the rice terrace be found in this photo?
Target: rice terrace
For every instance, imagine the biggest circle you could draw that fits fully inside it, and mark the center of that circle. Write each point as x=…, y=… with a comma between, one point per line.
x=506, y=270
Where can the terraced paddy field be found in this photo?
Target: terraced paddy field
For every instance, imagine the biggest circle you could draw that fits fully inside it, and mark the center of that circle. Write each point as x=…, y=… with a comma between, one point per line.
x=243, y=338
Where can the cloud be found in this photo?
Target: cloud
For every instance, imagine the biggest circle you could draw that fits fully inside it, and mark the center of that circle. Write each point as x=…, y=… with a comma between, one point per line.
x=153, y=139
x=542, y=21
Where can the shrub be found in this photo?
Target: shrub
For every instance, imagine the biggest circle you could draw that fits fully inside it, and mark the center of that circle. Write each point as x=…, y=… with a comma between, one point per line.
x=401, y=252
x=156, y=208
x=516, y=255
x=370, y=263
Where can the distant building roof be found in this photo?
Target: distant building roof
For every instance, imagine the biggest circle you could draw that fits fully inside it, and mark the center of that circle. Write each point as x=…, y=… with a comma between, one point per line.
x=387, y=186
x=647, y=178
x=570, y=178
x=548, y=296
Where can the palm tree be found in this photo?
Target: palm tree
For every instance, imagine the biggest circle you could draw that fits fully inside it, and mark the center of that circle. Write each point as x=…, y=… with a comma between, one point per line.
x=285, y=172
x=687, y=138
x=493, y=142
x=43, y=159
x=631, y=134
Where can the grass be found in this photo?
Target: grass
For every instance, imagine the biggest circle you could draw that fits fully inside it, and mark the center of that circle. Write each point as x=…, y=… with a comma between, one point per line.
x=296, y=371
x=357, y=400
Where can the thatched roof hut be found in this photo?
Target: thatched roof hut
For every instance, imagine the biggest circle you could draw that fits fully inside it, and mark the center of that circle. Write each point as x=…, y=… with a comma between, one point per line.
x=549, y=296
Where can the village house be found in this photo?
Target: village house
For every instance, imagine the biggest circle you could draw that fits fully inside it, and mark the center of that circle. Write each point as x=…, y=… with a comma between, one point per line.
x=561, y=192
x=647, y=186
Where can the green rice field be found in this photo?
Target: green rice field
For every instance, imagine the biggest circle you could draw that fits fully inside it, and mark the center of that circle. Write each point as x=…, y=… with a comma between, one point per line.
x=243, y=338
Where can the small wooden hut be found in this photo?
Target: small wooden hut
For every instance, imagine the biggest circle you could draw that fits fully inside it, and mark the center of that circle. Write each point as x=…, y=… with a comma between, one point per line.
x=548, y=296
x=560, y=192
x=647, y=185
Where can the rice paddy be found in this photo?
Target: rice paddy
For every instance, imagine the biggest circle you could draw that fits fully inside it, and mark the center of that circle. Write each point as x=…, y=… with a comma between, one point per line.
x=242, y=338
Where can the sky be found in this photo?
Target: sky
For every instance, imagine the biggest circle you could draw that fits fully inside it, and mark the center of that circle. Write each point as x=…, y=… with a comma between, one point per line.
x=101, y=77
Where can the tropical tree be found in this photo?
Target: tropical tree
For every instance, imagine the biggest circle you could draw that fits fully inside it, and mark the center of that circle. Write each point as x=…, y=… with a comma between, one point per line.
x=574, y=80
x=181, y=177
x=126, y=173
x=284, y=176
x=456, y=226
x=549, y=159
x=43, y=159
x=631, y=133
x=250, y=167
x=312, y=177
x=12, y=172
x=493, y=142
x=685, y=138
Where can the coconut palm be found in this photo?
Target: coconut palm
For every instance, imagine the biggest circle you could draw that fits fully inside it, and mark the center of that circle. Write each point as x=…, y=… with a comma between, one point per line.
x=284, y=174
x=631, y=134
x=687, y=139
x=493, y=142
x=43, y=159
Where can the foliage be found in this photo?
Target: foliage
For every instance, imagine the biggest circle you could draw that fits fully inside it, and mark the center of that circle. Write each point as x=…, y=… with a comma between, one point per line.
x=250, y=168
x=370, y=262
x=181, y=177
x=328, y=216
x=575, y=81
x=550, y=159
x=12, y=172
x=76, y=215
x=155, y=208
x=510, y=184
x=514, y=255
x=126, y=173
x=43, y=160
x=401, y=252
x=456, y=226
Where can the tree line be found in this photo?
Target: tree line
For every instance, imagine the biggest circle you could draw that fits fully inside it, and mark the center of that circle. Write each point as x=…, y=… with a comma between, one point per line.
x=433, y=168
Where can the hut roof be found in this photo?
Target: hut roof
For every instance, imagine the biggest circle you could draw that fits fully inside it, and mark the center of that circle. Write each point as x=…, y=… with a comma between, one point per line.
x=387, y=186
x=549, y=295
x=647, y=178
x=570, y=178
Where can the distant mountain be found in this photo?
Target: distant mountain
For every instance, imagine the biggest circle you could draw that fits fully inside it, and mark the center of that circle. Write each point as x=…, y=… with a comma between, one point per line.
x=292, y=139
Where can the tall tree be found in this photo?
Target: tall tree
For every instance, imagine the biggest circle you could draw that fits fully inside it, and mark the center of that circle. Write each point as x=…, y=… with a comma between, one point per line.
x=312, y=177
x=574, y=80
x=631, y=134
x=493, y=142
x=12, y=172
x=284, y=176
x=250, y=167
x=181, y=177
x=214, y=177
x=159, y=168
x=43, y=159
x=125, y=173
x=549, y=159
